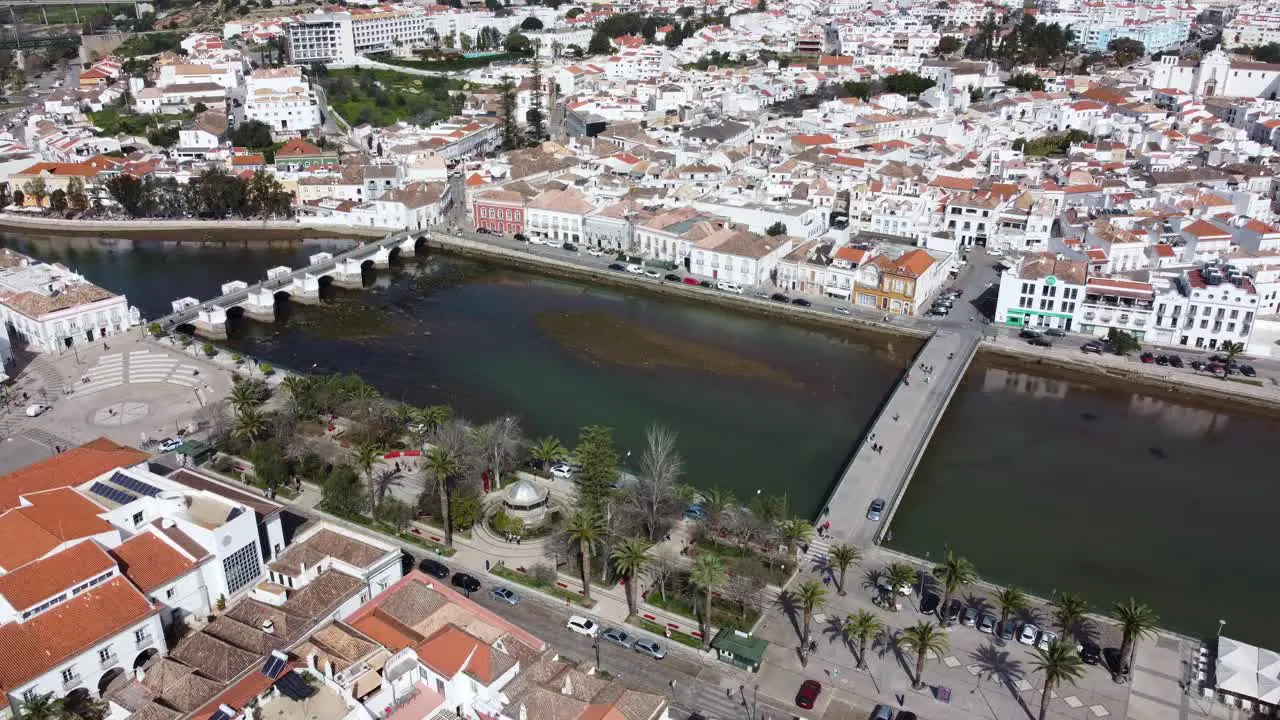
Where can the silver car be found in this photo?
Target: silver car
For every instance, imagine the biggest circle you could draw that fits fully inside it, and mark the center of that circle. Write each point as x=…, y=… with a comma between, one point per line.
x=618, y=637
x=505, y=595
x=876, y=509
x=650, y=648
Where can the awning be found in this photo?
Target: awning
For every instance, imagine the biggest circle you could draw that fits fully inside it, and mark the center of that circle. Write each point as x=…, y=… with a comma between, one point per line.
x=838, y=292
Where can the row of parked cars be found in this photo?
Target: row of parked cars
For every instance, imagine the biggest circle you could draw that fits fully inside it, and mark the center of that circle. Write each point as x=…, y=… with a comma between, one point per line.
x=590, y=628
x=945, y=301
x=985, y=622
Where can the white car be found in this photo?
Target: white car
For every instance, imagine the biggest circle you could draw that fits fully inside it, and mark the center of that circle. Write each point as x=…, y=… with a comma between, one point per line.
x=36, y=409
x=841, y=310
x=534, y=240
x=1046, y=639
x=170, y=444
x=635, y=269
x=561, y=471
x=729, y=287
x=595, y=252
x=583, y=626
x=650, y=272
x=1027, y=634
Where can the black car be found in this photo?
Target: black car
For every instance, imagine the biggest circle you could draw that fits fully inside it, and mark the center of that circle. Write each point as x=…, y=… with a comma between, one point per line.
x=482, y=230
x=929, y=604
x=433, y=568
x=1197, y=365
x=779, y=297
x=1090, y=652
x=705, y=284
x=671, y=277
x=521, y=237
x=1162, y=360
x=1040, y=342
x=570, y=247
x=616, y=266
x=801, y=302
x=906, y=715
x=466, y=582
x=1029, y=334
x=952, y=611
x=1175, y=361
x=1055, y=332
x=1248, y=371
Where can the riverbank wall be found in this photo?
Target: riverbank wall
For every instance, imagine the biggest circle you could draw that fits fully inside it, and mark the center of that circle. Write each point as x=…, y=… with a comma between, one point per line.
x=58, y=226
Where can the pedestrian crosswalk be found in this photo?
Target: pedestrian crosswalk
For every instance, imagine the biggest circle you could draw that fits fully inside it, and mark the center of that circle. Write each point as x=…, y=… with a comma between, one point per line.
x=138, y=366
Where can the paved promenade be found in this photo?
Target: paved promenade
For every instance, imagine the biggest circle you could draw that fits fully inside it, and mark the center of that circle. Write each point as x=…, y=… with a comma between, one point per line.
x=889, y=452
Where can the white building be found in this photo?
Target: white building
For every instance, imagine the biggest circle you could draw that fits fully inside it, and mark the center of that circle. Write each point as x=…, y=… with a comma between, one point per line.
x=1205, y=308
x=1041, y=290
x=51, y=308
x=321, y=37
x=557, y=215
x=283, y=99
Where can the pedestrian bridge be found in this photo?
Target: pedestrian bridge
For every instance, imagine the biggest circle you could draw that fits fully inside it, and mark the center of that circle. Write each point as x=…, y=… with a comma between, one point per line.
x=889, y=452
x=258, y=301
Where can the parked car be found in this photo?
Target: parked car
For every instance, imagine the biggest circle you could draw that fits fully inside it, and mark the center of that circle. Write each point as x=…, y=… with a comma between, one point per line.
x=875, y=510
x=1162, y=360
x=987, y=623
x=1092, y=347
x=617, y=266
x=595, y=252
x=951, y=612
x=695, y=512
x=635, y=269
x=1090, y=652
x=1029, y=334
x=650, y=272
x=1147, y=357
x=1175, y=361
x=561, y=471
x=1248, y=371
x=583, y=626
x=969, y=616
x=841, y=310
x=1027, y=634
x=779, y=297
x=671, y=277
x=929, y=604
x=1197, y=365
x=482, y=230
x=729, y=287
x=650, y=648
x=940, y=310
x=1040, y=342
x=705, y=284
x=1055, y=332
x=434, y=568
x=570, y=247
x=618, y=637
x=521, y=237
x=465, y=581
x=690, y=281
x=801, y=302
x=170, y=444
x=36, y=409
x=906, y=715
x=808, y=694
x=538, y=241
x=505, y=595
x=1046, y=639
x=882, y=712
x=1005, y=631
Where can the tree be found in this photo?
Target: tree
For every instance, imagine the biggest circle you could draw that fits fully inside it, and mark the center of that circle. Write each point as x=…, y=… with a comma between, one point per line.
x=599, y=467
x=76, y=197
x=535, y=118
x=365, y=457
x=516, y=42
x=1137, y=621
x=858, y=89
x=1026, y=82
x=498, y=443
x=1059, y=664
x=1231, y=350
x=1011, y=601
x=58, y=200
x=450, y=40
x=811, y=596
x=1069, y=612
x=630, y=560
x=899, y=575
x=19, y=198
x=861, y=627
x=585, y=529
x=244, y=395
x=706, y=572
x=531, y=24
x=840, y=558
x=341, y=493
x=907, y=83
x=36, y=189
x=948, y=45
x=573, y=13
x=1121, y=342
x=1269, y=53
x=654, y=495
x=954, y=573
x=507, y=114
x=396, y=513
x=442, y=465
x=923, y=638
x=547, y=451
x=600, y=43
x=250, y=425
x=1126, y=50
x=715, y=504
x=776, y=229
x=795, y=530
x=253, y=134
x=41, y=706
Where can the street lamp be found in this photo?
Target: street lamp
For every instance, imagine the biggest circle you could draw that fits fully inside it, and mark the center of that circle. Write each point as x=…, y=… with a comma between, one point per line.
x=1220, y=624
x=924, y=571
x=596, y=646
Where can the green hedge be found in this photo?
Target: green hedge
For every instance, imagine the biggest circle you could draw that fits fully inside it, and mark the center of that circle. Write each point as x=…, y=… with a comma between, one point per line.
x=676, y=635
x=516, y=576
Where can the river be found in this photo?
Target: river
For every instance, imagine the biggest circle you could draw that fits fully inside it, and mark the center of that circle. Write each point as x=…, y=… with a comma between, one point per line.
x=1043, y=482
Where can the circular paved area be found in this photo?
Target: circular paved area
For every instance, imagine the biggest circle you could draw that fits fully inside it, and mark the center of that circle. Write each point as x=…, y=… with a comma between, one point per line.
x=120, y=413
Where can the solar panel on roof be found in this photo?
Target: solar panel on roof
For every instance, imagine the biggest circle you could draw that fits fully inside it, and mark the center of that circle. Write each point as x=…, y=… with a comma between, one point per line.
x=220, y=715
x=115, y=495
x=272, y=666
x=135, y=485
x=294, y=687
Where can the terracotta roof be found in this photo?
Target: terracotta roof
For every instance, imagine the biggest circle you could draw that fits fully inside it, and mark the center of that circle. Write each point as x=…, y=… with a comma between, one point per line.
x=915, y=263
x=1204, y=229
x=37, y=581
x=73, y=467
x=38, y=645
x=150, y=562
x=297, y=147
x=52, y=518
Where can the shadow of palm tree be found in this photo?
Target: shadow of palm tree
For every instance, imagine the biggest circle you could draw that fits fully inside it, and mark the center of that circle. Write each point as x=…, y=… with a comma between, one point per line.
x=871, y=579
x=385, y=481
x=833, y=628
x=996, y=662
x=821, y=565
x=1034, y=615
x=787, y=602
x=981, y=604
x=1085, y=631
x=889, y=643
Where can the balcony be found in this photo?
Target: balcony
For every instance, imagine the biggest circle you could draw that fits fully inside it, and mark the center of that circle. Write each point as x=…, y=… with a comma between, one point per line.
x=144, y=641
x=72, y=683
x=110, y=661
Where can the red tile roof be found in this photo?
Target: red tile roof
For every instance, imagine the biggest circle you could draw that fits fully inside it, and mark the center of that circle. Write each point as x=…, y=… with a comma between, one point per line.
x=151, y=562
x=73, y=467
x=52, y=518
x=38, y=581
x=40, y=644
x=1203, y=229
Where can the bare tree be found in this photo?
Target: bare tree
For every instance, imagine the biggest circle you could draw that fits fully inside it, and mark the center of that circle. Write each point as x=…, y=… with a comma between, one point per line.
x=497, y=446
x=654, y=495
x=662, y=570
x=216, y=418
x=745, y=586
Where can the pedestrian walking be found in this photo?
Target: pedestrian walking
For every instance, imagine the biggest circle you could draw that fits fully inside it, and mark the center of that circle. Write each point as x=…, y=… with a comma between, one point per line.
x=895, y=417
x=486, y=565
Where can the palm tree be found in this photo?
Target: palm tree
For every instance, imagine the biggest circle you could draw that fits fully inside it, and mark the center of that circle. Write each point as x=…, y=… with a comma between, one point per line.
x=586, y=528
x=862, y=626
x=547, y=451
x=922, y=638
x=243, y=396
x=841, y=557
x=811, y=596
x=954, y=573
x=898, y=575
x=706, y=572
x=1231, y=349
x=1059, y=663
x=1137, y=620
x=442, y=466
x=1068, y=611
x=364, y=456
x=715, y=502
x=1011, y=601
x=250, y=425
x=630, y=559
x=41, y=707
x=433, y=416
x=795, y=531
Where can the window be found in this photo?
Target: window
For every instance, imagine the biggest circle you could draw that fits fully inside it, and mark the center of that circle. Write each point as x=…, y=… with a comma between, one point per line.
x=241, y=568
x=105, y=654
x=137, y=518
x=168, y=594
x=69, y=674
x=141, y=635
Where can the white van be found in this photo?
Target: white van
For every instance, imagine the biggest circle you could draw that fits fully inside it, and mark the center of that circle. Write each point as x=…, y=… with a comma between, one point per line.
x=729, y=287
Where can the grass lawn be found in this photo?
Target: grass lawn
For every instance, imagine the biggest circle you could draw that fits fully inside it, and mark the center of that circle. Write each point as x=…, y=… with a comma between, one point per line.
x=676, y=635
x=527, y=580
x=724, y=613
x=773, y=572
x=451, y=65
x=384, y=97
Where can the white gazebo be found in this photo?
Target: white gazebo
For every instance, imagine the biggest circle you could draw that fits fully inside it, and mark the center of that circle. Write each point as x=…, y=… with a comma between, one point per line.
x=526, y=500
x=1248, y=673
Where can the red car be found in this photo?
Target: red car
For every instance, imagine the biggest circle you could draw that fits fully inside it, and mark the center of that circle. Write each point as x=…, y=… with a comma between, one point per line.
x=808, y=695
x=690, y=281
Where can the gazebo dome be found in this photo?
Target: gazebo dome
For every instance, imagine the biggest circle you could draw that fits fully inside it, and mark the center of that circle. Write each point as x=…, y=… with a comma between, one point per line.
x=523, y=494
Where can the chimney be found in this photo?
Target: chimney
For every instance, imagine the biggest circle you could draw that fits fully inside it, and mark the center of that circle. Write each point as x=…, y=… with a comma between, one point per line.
x=269, y=626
